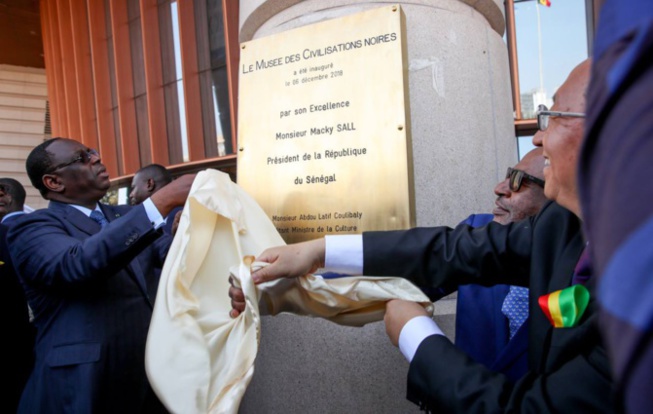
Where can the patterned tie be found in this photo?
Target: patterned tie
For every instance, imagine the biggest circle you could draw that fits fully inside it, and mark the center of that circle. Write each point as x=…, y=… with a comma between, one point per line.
x=99, y=218
x=515, y=307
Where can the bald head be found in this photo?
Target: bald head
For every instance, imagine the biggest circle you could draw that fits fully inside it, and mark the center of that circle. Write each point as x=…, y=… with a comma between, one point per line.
x=533, y=163
x=562, y=139
x=527, y=200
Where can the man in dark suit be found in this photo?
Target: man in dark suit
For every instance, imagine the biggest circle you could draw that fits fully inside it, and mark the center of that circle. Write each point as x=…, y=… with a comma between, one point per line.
x=19, y=354
x=492, y=322
x=568, y=367
x=88, y=273
x=147, y=181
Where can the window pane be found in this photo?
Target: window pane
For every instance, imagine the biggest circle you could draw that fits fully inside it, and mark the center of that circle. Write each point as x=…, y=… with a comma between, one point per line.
x=138, y=76
x=172, y=123
x=180, y=83
x=221, y=111
x=143, y=130
x=170, y=83
x=182, y=121
x=215, y=21
x=551, y=41
x=212, y=61
x=112, y=82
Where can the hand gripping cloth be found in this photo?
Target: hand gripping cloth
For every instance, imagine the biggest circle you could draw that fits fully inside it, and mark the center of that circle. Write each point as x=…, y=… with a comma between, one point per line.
x=200, y=360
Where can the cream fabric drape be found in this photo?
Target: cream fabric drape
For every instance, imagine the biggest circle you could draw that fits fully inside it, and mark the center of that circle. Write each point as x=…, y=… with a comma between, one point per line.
x=198, y=359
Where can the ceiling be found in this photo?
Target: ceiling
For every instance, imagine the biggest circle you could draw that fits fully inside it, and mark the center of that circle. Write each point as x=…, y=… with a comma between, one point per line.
x=21, y=43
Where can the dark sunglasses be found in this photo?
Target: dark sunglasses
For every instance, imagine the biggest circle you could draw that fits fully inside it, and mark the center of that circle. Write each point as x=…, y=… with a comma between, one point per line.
x=543, y=115
x=516, y=177
x=84, y=157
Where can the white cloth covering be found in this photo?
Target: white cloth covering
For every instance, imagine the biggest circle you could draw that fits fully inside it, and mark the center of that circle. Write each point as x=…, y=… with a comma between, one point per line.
x=200, y=360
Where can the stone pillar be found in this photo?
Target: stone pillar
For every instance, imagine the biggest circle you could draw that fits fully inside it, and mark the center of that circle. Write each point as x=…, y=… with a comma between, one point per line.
x=462, y=141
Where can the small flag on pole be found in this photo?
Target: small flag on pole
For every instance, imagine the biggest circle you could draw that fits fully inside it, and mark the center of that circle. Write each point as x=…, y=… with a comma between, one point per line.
x=546, y=3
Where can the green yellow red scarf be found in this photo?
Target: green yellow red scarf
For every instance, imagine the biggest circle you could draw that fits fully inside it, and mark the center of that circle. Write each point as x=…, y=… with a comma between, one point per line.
x=564, y=308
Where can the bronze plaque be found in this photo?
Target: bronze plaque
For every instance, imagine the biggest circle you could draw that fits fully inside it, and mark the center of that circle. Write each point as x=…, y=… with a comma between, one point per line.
x=323, y=128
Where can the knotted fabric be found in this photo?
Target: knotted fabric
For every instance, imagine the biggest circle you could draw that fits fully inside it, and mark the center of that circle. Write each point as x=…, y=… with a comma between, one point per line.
x=198, y=359
x=99, y=218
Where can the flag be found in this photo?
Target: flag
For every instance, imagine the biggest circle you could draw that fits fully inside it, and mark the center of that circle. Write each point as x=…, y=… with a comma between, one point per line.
x=546, y=3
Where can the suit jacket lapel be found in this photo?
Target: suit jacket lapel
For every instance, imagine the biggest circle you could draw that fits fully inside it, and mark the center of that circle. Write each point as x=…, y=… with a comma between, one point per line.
x=75, y=217
x=110, y=212
x=90, y=227
x=513, y=350
x=541, y=328
x=565, y=269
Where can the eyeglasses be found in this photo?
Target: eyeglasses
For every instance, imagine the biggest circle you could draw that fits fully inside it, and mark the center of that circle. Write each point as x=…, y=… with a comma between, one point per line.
x=543, y=115
x=516, y=177
x=84, y=157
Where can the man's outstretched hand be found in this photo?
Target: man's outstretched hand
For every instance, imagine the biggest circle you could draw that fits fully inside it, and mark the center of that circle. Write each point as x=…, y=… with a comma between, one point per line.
x=293, y=260
x=173, y=194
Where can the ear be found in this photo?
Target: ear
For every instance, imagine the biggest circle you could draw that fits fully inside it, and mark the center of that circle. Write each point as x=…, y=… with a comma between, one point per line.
x=150, y=185
x=53, y=183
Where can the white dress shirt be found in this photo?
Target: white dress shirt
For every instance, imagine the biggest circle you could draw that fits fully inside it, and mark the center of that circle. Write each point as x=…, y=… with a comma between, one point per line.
x=152, y=212
x=344, y=254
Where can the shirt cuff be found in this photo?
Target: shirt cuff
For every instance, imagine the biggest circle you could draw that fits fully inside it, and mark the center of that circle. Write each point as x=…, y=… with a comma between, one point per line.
x=344, y=254
x=153, y=213
x=414, y=332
